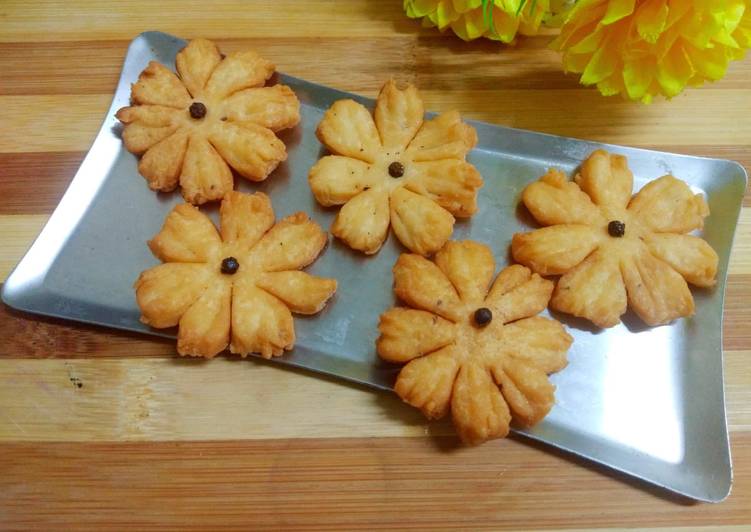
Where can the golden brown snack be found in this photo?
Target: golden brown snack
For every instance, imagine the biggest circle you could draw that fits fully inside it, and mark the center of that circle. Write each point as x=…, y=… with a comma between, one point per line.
x=237, y=289
x=395, y=169
x=613, y=250
x=470, y=348
x=215, y=114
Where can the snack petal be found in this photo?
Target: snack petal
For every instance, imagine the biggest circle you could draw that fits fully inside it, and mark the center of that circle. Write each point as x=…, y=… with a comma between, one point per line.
x=348, y=129
x=539, y=341
x=689, y=255
x=335, y=180
x=398, y=115
x=237, y=71
x=526, y=389
x=593, y=290
x=162, y=163
x=451, y=183
x=614, y=251
x=291, y=244
x=607, y=179
x=443, y=137
x=204, y=175
x=469, y=266
x=253, y=151
x=205, y=326
x=422, y=285
x=165, y=292
x=408, y=333
x=237, y=290
x=186, y=236
x=245, y=218
x=553, y=200
x=363, y=222
x=195, y=63
x=527, y=299
x=479, y=352
x=418, y=222
x=656, y=292
x=555, y=249
x=275, y=108
x=427, y=383
x=395, y=170
x=260, y=323
x=479, y=410
x=158, y=85
x=301, y=292
x=667, y=205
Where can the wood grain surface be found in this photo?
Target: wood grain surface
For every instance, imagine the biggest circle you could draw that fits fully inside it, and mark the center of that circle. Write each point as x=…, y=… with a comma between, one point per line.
x=103, y=430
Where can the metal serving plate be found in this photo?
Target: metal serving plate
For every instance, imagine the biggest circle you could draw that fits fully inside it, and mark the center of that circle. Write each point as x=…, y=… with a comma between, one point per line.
x=647, y=402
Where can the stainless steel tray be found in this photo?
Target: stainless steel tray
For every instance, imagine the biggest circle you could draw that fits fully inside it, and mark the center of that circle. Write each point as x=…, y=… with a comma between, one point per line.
x=647, y=402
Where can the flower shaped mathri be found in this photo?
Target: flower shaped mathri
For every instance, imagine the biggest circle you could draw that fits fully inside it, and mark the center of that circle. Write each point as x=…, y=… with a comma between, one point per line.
x=615, y=251
x=237, y=286
x=395, y=170
x=470, y=348
x=217, y=114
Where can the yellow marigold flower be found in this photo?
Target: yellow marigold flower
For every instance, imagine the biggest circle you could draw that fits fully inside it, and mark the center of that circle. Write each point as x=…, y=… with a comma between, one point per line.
x=643, y=48
x=499, y=20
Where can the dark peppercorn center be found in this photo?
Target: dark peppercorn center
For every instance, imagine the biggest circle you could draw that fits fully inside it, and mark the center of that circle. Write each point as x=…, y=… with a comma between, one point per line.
x=483, y=316
x=197, y=110
x=396, y=169
x=230, y=265
x=616, y=228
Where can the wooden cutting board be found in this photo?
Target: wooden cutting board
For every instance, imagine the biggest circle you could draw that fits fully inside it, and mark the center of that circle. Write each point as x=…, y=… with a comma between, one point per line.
x=100, y=429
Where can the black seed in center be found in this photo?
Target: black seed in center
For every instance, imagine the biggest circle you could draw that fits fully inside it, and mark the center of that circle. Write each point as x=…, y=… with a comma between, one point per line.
x=230, y=265
x=483, y=316
x=616, y=228
x=396, y=169
x=197, y=110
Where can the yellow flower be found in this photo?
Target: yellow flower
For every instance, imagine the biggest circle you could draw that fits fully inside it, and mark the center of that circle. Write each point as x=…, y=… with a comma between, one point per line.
x=499, y=20
x=643, y=48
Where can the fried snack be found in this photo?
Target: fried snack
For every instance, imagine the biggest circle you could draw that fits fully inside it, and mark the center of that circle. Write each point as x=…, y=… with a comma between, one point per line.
x=237, y=286
x=217, y=114
x=395, y=169
x=471, y=348
x=613, y=250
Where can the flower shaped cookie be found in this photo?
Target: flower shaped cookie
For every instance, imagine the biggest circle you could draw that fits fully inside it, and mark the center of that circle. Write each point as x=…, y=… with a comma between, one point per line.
x=614, y=251
x=482, y=354
x=191, y=129
x=395, y=169
x=235, y=287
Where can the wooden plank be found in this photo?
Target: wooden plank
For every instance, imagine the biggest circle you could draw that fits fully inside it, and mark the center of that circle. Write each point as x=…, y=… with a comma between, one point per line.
x=188, y=399
x=737, y=315
x=740, y=258
x=55, y=20
x=738, y=389
x=541, y=111
x=69, y=123
x=338, y=484
x=28, y=336
x=33, y=183
x=582, y=116
x=174, y=398
x=93, y=67
x=17, y=232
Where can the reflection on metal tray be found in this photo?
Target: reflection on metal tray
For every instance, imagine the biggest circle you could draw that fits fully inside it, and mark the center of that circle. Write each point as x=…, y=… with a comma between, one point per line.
x=648, y=402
